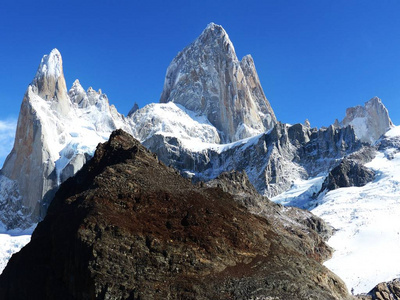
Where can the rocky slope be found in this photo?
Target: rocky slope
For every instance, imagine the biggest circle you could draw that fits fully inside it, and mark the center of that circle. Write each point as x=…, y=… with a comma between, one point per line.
x=348, y=173
x=128, y=227
x=386, y=290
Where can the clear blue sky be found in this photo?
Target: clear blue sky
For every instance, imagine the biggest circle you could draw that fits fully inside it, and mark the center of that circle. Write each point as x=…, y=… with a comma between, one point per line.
x=314, y=58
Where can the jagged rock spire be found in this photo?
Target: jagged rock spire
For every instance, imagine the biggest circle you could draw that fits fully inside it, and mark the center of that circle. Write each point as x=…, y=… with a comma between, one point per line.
x=207, y=78
x=369, y=121
x=49, y=82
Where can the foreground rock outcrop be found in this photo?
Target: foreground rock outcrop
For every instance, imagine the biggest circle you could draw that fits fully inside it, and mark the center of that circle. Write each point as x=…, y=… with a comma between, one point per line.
x=386, y=290
x=128, y=227
x=383, y=291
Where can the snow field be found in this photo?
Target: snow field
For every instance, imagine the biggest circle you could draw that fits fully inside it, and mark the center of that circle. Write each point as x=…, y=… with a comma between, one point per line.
x=367, y=241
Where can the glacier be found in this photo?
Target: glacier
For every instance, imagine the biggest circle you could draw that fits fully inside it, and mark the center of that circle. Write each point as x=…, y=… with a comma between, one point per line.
x=367, y=227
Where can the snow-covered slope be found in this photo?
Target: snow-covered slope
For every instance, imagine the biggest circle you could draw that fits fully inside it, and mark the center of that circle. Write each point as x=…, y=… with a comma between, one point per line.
x=367, y=240
x=174, y=120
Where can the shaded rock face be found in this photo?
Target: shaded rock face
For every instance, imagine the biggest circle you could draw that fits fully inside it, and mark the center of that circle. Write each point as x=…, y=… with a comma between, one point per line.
x=370, y=121
x=348, y=173
x=207, y=78
x=272, y=160
x=129, y=227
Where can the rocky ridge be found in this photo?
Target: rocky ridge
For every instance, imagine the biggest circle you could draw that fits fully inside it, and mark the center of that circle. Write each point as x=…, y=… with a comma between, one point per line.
x=272, y=160
x=127, y=226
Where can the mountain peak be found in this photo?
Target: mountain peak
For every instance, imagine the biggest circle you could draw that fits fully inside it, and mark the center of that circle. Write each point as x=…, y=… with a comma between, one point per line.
x=216, y=37
x=215, y=29
x=51, y=65
x=369, y=121
x=208, y=79
x=49, y=82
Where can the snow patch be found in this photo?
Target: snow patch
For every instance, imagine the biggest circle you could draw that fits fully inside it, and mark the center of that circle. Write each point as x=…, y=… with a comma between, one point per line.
x=10, y=244
x=301, y=193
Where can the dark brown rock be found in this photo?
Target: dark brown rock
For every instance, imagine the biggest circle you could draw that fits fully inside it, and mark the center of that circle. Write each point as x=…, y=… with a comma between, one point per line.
x=129, y=227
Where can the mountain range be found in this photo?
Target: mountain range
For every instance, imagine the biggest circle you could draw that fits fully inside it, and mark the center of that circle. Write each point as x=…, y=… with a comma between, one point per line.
x=213, y=118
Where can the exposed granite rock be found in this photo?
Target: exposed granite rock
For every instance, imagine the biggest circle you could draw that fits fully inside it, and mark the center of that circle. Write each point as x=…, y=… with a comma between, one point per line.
x=49, y=82
x=31, y=163
x=30, y=158
x=134, y=108
x=57, y=132
x=348, y=173
x=370, y=121
x=386, y=290
x=383, y=291
x=272, y=160
x=208, y=79
x=128, y=227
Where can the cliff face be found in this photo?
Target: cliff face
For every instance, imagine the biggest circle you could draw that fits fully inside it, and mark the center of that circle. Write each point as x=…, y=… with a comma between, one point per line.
x=207, y=78
x=33, y=154
x=128, y=227
x=370, y=121
x=57, y=132
x=272, y=160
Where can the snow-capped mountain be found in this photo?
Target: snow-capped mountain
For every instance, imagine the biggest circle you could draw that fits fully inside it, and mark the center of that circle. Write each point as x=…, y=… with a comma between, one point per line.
x=57, y=132
x=369, y=121
x=212, y=117
x=208, y=79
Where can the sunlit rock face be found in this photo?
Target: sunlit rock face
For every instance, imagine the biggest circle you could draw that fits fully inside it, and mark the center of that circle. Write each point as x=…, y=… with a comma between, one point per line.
x=56, y=134
x=207, y=78
x=370, y=121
